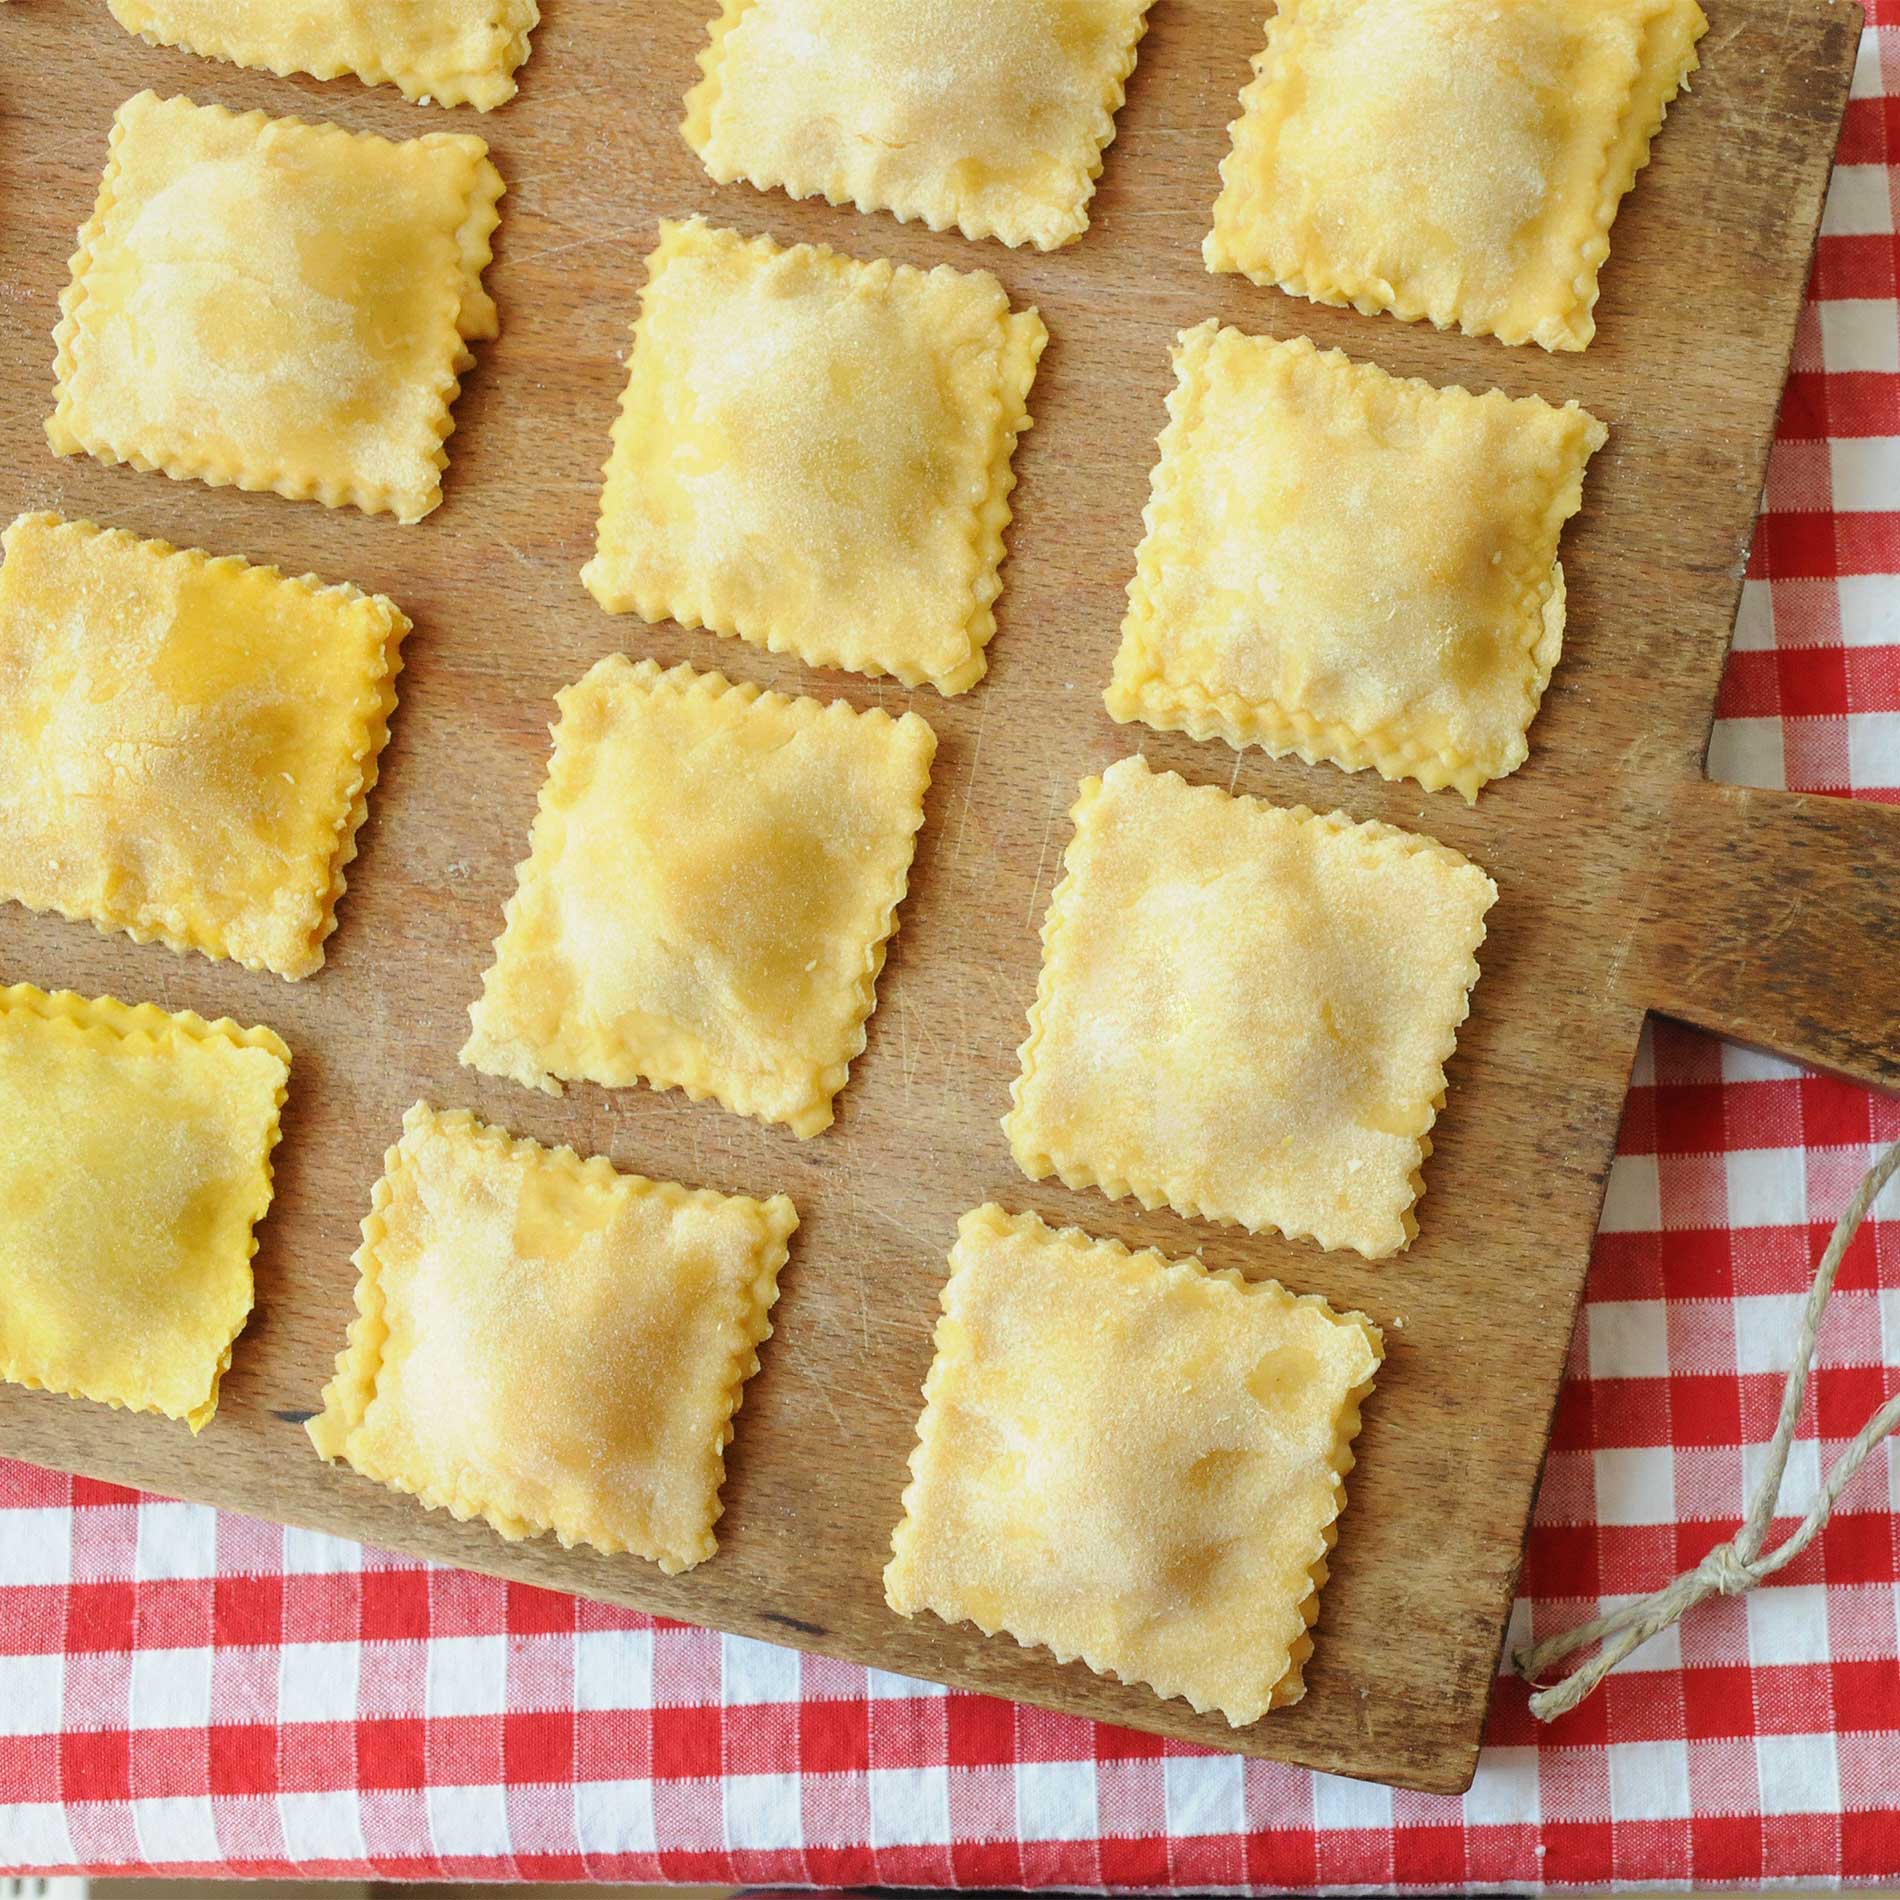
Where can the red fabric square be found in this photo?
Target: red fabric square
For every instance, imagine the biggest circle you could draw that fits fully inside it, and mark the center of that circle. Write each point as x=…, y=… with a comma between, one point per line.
x=534, y=1612
x=392, y=1753
x=100, y=1617
x=95, y=1765
x=243, y=1759
x=687, y=1742
x=1717, y=1703
x=538, y=1746
x=981, y=1731
x=1725, y=1847
x=1690, y=1120
x=248, y=1610
x=394, y=1606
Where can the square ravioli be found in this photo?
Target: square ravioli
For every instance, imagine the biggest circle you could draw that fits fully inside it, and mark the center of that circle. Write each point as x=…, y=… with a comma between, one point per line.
x=1433, y=158
x=190, y=743
x=1349, y=565
x=276, y=305
x=134, y=1167
x=814, y=454
x=1245, y=1010
x=993, y=120
x=711, y=884
x=1132, y=1460
x=451, y=52
x=549, y=1344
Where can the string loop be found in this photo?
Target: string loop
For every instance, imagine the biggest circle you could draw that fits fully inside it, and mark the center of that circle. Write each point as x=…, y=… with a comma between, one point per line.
x=1735, y=1567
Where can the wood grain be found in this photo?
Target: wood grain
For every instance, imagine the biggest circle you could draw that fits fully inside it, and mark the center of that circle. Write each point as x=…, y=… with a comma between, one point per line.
x=1625, y=882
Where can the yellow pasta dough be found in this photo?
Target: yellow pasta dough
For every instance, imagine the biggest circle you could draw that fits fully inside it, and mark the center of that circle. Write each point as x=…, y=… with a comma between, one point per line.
x=1349, y=565
x=991, y=117
x=454, y=52
x=1440, y=159
x=276, y=305
x=1245, y=1010
x=814, y=454
x=1132, y=1460
x=712, y=881
x=189, y=744
x=134, y=1165
x=549, y=1344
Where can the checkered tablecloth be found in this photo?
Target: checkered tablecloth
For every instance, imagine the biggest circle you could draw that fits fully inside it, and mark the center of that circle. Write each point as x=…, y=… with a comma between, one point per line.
x=183, y=1690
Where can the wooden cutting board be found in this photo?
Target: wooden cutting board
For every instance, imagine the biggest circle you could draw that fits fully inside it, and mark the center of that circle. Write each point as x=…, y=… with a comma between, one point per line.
x=1627, y=882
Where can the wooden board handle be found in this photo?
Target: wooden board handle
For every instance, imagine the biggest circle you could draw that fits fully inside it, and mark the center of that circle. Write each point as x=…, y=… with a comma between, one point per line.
x=1774, y=918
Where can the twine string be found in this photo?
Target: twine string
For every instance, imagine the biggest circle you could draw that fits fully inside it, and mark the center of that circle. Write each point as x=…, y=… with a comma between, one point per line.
x=1738, y=1565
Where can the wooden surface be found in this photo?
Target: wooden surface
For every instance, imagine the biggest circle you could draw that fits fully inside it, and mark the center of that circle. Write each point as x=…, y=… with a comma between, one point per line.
x=1626, y=881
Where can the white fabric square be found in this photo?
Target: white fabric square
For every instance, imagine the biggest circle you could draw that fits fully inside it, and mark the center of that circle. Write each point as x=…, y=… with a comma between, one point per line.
x=171, y=1688
x=1505, y=1790
x=1633, y=1202
x=1859, y=333
x=1866, y=472
x=1628, y=1339
x=1870, y=609
x=1858, y=203
x=468, y=1675
x=1740, y=1063
x=1755, y=619
x=1765, y=1328
x=1206, y=1794
x=1869, y=82
x=469, y=1820
x=1636, y=1486
x=1787, y=1623
x=1748, y=752
x=613, y=1669
x=910, y=1807
x=1661, y=1655
x=881, y=1686
x=37, y=1547
x=1643, y=1069
x=763, y=1811
x=34, y=1835
x=1873, y=749
x=32, y=1702
x=176, y=1827
x=327, y=1826
x=1055, y=1801
x=758, y=1672
x=1649, y=1781
x=1767, y=1187
x=1339, y=1802
x=317, y=1682
x=318, y=1554
x=176, y=1541
x=615, y=1817
x=1799, y=1774
x=1889, y=1298
x=1800, y=1482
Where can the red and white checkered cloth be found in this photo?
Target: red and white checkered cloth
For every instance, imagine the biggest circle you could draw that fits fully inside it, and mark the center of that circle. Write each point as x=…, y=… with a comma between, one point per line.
x=186, y=1691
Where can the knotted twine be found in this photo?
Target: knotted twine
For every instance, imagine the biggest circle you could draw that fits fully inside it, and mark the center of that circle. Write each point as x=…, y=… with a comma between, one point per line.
x=1732, y=1568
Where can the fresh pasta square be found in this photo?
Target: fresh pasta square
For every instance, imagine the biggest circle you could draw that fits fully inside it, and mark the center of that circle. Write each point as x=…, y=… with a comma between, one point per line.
x=551, y=1345
x=1348, y=565
x=710, y=887
x=190, y=753
x=453, y=52
x=1454, y=162
x=813, y=453
x=1245, y=1010
x=992, y=121
x=1132, y=1460
x=134, y=1167
x=273, y=305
